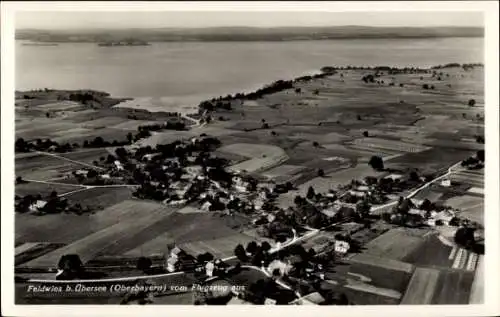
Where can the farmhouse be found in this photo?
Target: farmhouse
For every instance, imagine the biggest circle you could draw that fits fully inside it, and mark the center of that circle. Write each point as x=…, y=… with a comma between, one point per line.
x=37, y=205
x=119, y=165
x=394, y=176
x=81, y=172
x=150, y=156
x=282, y=267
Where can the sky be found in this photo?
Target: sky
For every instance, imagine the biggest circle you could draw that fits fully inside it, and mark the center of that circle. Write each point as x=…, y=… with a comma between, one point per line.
x=193, y=19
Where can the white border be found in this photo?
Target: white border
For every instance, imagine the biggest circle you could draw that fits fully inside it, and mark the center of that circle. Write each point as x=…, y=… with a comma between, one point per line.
x=490, y=307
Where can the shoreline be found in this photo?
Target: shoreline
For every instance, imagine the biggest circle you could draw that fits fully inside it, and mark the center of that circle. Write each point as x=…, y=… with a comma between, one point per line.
x=252, y=93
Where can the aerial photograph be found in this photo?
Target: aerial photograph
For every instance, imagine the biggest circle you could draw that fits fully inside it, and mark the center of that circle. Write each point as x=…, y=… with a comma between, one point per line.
x=249, y=158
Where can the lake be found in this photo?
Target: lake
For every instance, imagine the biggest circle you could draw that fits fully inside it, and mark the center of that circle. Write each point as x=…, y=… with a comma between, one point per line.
x=166, y=75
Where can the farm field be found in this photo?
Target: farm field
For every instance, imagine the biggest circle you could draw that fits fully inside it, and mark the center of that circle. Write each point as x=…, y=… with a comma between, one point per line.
x=45, y=190
x=99, y=198
x=471, y=207
x=261, y=156
x=394, y=244
x=431, y=160
x=43, y=167
x=194, y=232
x=421, y=287
x=104, y=239
x=87, y=156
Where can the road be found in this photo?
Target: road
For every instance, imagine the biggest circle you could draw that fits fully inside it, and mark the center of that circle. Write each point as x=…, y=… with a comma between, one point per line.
x=80, y=185
x=69, y=160
x=312, y=232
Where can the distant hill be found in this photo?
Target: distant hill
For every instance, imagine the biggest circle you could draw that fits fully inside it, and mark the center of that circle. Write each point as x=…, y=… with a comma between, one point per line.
x=244, y=34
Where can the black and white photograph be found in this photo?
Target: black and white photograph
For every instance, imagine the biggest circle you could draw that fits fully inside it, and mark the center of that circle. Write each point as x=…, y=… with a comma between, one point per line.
x=212, y=156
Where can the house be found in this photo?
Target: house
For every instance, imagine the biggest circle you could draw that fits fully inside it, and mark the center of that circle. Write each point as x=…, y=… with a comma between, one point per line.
x=341, y=246
x=282, y=267
x=118, y=165
x=105, y=176
x=394, y=176
x=150, y=156
x=446, y=182
x=37, y=205
x=209, y=268
x=206, y=206
x=363, y=188
x=81, y=172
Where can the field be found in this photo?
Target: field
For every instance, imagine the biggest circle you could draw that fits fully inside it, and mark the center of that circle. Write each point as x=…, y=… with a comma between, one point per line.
x=421, y=287
x=395, y=244
x=107, y=238
x=45, y=190
x=471, y=207
x=261, y=156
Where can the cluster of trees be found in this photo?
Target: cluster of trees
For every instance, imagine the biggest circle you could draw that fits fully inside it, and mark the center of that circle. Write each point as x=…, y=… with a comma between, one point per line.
x=474, y=162
x=254, y=253
x=54, y=204
x=22, y=145
x=426, y=86
x=388, y=69
x=169, y=125
x=376, y=162
x=400, y=214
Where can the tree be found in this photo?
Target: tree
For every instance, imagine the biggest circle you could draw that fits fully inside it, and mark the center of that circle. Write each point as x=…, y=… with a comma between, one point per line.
x=129, y=137
x=144, y=263
x=240, y=253
x=310, y=193
x=110, y=159
x=471, y=102
x=53, y=194
x=71, y=265
x=376, y=163
x=121, y=152
x=204, y=257
x=464, y=236
x=19, y=180
x=252, y=247
x=359, y=117
x=425, y=86
x=321, y=173
x=315, y=144
x=265, y=246
x=298, y=200
x=92, y=174
x=480, y=155
x=427, y=205
x=365, y=134
x=363, y=208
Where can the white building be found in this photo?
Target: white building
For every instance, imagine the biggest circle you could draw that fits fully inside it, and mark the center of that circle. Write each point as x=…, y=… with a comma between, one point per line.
x=37, y=205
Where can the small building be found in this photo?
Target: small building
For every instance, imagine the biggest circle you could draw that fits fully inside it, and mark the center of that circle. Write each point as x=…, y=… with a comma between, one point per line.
x=105, y=176
x=150, y=156
x=118, y=165
x=446, y=182
x=341, y=246
x=37, y=205
x=81, y=172
x=394, y=176
x=209, y=269
x=282, y=267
